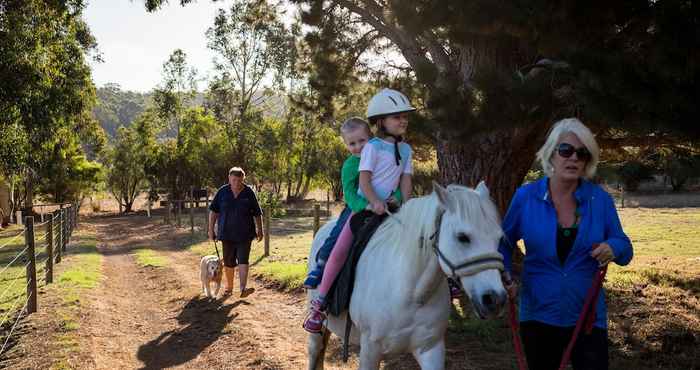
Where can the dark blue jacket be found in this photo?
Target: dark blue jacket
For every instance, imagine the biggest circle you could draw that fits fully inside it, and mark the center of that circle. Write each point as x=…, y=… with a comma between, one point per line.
x=236, y=214
x=553, y=293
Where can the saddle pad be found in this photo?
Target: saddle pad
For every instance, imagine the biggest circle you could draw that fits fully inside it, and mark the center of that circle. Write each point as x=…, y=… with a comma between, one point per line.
x=363, y=226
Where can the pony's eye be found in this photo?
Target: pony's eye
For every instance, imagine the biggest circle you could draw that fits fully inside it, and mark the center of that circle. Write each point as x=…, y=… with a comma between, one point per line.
x=463, y=238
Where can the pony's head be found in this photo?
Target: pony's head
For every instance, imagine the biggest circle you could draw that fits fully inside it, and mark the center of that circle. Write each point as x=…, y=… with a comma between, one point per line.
x=468, y=233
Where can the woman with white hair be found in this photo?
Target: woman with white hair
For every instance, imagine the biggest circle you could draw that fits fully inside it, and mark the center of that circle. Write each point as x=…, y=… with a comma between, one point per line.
x=570, y=228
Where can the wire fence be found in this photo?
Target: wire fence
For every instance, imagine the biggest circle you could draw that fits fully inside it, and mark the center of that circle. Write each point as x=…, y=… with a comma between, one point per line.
x=29, y=256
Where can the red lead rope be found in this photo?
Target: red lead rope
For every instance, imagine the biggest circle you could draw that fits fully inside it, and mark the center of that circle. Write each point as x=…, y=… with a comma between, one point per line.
x=516, y=338
x=586, y=318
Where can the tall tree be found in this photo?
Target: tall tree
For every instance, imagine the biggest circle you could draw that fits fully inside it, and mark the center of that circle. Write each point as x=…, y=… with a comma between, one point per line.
x=496, y=74
x=177, y=91
x=253, y=46
x=125, y=172
x=46, y=82
x=171, y=100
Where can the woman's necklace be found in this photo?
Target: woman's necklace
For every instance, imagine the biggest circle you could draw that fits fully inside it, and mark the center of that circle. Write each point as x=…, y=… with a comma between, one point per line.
x=568, y=230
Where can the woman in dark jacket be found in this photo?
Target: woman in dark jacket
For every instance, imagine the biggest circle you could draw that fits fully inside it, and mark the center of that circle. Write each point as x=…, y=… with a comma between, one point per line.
x=236, y=210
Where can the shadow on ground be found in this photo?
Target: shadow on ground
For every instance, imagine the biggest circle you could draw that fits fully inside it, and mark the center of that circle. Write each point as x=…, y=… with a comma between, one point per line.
x=204, y=322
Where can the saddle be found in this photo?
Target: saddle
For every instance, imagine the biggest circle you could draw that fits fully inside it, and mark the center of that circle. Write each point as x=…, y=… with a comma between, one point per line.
x=363, y=226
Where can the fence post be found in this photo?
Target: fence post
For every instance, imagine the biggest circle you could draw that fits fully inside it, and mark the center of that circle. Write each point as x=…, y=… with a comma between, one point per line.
x=148, y=208
x=31, y=266
x=167, y=211
x=57, y=237
x=18, y=217
x=622, y=198
x=191, y=210
x=179, y=213
x=317, y=221
x=49, y=250
x=64, y=229
x=266, y=228
x=68, y=224
x=206, y=216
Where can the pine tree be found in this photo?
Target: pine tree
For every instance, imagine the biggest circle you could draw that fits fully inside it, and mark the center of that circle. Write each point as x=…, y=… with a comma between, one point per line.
x=497, y=74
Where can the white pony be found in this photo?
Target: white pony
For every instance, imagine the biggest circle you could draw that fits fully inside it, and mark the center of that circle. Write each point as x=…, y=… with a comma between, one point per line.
x=400, y=300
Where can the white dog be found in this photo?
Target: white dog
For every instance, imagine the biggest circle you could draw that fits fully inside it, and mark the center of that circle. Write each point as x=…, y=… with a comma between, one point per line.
x=211, y=270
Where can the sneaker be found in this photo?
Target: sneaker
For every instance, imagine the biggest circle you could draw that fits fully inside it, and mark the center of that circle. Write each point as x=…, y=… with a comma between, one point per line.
x=455, y=290
x=314, y=320
x=313, y=279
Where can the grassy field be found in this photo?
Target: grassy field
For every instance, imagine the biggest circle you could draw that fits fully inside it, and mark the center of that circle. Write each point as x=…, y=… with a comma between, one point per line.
x=654, y=305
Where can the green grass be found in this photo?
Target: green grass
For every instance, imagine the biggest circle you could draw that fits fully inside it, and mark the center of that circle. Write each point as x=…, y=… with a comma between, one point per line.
x=147, y=257
x=290, y=243
x=13, y=280
x=666, y=249
x=77, y=273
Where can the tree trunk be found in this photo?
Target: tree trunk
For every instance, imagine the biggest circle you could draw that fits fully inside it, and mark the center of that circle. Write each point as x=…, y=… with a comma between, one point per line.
x=501, y=158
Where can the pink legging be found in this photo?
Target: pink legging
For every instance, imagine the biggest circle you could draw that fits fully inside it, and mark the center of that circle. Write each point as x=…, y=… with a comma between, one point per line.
x=337, y=258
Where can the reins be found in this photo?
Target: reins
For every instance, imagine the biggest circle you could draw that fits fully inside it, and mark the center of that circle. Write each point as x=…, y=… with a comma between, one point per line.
x=586, y=319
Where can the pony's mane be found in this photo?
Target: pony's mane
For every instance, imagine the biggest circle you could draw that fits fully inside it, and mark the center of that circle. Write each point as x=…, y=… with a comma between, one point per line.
x=481, y=213
x=407, y=233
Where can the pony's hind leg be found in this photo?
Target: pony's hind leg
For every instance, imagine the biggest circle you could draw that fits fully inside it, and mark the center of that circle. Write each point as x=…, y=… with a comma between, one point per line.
x=433, y=358
x=316, y=347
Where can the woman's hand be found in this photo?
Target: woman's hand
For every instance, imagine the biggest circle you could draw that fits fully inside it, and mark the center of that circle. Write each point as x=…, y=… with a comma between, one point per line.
x=603, y=253
x=211, y=234
x=378, y=207
x=260, y=235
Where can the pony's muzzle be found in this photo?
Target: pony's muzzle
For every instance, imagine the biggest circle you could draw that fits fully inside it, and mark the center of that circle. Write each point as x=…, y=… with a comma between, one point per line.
x=491, y=303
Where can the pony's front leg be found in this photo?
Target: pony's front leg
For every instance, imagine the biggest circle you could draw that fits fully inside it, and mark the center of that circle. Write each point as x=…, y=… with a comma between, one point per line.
x=370, y=354
x=433, y=358
x=316, y=347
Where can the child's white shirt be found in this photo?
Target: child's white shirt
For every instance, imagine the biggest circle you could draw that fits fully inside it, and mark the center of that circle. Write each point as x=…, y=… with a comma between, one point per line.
x=378, y=157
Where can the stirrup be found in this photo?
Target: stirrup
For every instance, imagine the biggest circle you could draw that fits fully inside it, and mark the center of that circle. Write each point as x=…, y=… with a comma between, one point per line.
x=313, y=323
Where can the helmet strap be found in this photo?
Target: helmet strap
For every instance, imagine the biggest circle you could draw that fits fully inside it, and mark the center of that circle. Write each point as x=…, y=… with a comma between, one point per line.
x=397, y=140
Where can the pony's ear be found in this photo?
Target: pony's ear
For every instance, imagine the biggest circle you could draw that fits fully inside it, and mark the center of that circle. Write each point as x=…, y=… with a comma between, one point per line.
x=443, y=196
x=482, y=190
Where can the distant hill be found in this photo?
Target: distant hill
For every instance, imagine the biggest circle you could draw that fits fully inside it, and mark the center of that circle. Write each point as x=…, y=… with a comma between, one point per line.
x=116, y=107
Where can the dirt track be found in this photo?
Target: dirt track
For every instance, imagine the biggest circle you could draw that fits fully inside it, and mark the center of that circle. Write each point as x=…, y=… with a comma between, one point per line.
x=152, y=318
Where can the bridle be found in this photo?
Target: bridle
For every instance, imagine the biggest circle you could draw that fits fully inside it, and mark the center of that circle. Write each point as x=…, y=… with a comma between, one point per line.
x=470, y=266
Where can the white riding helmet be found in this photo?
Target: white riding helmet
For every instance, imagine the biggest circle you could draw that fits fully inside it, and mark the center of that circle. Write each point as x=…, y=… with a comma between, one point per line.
x=386, y=102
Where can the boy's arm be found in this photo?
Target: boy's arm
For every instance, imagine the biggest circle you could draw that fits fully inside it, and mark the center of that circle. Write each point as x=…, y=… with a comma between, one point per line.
x=350, y=179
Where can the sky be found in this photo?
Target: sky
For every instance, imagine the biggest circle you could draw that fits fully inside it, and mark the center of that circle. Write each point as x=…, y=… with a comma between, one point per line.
x=134, y=44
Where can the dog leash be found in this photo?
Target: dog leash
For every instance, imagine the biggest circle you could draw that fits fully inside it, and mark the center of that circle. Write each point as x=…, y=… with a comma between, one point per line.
x=217, y=250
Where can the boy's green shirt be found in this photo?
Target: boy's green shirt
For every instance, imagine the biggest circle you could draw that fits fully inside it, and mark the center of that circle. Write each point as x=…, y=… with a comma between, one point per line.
x=350, y=176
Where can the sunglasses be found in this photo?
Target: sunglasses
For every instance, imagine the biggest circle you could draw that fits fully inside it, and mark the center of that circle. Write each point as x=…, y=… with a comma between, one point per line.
x=566, y=150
